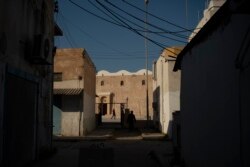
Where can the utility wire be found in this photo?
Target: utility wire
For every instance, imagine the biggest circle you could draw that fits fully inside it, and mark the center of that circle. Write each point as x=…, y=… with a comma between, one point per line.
x=102, y=18
x=166, y=21
x=65, y=34
x=110, y=16
x=140, y=30
x=152, y=25
x=138, y=33
x=101, y=43
x=67, y=31
x=124, y=18
x=68, y=35
x=92, y=13
x=130, y=28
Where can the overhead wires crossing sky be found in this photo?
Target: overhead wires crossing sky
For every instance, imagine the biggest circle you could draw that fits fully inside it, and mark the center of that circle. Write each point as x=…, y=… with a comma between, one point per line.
x=113, y=31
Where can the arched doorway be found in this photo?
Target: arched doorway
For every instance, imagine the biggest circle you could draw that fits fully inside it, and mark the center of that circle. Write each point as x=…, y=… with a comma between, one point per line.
x=103, y=105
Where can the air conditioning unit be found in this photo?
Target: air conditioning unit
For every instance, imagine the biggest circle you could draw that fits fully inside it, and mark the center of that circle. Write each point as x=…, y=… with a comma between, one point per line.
x=42, y=50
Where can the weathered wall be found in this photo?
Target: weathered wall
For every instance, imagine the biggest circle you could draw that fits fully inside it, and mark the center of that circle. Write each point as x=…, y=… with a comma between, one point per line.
x=167, y=84
x=89, y=94
x=71, y=107
x=70, y=63
x=133, y=90
x=78, y=72
x=213, y=105
x=89, y=121
x=20, y=22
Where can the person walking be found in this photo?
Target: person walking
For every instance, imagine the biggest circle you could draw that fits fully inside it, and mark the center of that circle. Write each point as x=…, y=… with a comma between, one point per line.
x=131, y=120
x=113, y=114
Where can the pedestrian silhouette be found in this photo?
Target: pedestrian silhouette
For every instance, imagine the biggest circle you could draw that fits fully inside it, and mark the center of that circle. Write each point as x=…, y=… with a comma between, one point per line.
x=131, y=120
x=113, y=114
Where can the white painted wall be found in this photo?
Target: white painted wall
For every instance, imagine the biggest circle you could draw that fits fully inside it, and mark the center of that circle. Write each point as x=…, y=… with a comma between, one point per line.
x=211, y=9
x=214, y=109
x=168, y=83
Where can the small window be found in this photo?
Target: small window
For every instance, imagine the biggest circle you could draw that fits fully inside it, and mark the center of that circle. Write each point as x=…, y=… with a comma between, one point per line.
x=122, y=83
x=143, y=82
x=102, y=83
x=57, y=76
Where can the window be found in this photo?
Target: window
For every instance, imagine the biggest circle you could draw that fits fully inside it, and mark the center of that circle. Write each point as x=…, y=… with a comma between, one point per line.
x=143, y=82
x=57, y=76
x=102, y=83
x=155, y=71
x=122, y=83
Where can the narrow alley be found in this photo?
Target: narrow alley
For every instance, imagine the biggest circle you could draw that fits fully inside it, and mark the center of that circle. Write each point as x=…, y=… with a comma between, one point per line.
x=110, y=146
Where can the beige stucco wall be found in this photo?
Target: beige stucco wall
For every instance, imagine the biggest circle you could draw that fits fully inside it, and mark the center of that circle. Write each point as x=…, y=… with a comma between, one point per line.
x=133, y=90
x=78, y=71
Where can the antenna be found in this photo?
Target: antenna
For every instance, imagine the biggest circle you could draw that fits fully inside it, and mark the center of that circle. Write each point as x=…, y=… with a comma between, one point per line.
x=186, y=13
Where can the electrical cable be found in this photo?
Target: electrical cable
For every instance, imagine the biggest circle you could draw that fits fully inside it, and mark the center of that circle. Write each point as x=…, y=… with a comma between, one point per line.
x=66, y=35
x=144, y=28
x=152, y=25
x=166, y=21
x=130, y=28
x=102, y=18
x=138, y=33
x=101, y=43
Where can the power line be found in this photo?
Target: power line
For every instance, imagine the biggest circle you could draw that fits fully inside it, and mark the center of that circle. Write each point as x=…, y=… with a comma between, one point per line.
x=150, y=24
x=166, y=21
x=66, y=34
x=102, y=18
x=141, y=30
x=92, y=13
x=128, y=27
x=124, y=18
x=138, y=33
x=105, y=13
x=101, y=43
x=119, y=24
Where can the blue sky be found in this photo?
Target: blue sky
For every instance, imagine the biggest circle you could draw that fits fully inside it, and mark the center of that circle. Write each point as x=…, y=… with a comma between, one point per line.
x=115, y=48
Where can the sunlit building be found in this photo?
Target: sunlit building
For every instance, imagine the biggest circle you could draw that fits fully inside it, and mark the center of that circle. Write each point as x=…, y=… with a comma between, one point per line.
x=166, y=89
x=212, y=7
x=74, y=92
x=126, y=89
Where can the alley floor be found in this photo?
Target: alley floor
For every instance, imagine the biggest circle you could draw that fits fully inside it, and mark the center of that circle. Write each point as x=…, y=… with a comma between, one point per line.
x=111, y=147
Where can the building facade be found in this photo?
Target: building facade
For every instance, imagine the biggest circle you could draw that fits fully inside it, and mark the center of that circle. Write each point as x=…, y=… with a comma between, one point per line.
x=74, y=92
x=212, y=7
x=215, y=90
x=128, y=89
x=166, y=89
x=26, y=68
